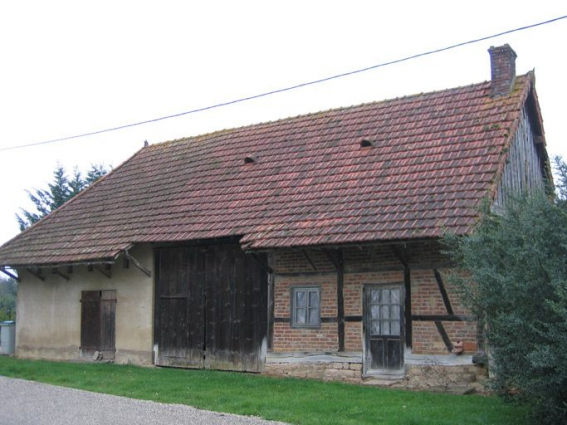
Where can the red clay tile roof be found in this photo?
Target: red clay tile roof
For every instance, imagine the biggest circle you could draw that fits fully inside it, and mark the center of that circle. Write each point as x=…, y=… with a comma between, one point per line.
x=435, y=157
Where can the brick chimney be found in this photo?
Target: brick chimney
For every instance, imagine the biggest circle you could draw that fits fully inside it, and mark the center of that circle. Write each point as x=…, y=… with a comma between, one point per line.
x=503, y=67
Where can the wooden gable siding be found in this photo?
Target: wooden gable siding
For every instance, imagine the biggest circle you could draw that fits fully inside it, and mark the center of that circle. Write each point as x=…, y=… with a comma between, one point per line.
x=523, y=171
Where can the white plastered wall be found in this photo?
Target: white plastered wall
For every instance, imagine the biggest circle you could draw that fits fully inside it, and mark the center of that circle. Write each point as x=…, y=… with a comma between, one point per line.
x=49, y=312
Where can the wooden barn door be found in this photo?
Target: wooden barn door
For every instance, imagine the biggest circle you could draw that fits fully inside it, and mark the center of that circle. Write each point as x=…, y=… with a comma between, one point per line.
x=211, y=308
x=179, y=312
x=98, y=322
x=383, y=311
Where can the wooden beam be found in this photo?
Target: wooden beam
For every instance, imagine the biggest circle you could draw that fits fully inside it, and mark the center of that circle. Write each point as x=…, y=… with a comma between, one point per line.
x=443, y=318
x=36, y=273
x=271, y=303
x=10, y=274
x=340, y=300
x=443, y=291
x=103, y=271
x=407, y=308
x=309, y=260
x=444, y=335
x=401, y=255
x=57, y=272
x=331, y=256
x=305, y=274
x=260, y=261
x=137, y=264
x=353, y=318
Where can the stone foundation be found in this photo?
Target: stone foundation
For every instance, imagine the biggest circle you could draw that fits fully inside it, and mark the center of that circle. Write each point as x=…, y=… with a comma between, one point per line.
x=345, y=372
x=347, y=367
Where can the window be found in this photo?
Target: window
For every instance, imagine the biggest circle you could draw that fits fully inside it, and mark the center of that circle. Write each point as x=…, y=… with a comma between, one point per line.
x=306, y=307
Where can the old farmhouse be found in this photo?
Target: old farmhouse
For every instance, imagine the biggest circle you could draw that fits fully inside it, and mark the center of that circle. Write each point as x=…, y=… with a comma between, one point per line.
x=307, y=246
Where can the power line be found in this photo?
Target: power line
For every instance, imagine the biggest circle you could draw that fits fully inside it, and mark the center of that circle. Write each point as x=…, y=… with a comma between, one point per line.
x=285, y=89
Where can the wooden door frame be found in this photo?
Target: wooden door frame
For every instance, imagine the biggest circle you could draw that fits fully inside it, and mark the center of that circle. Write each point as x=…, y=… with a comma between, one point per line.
x=382, y=372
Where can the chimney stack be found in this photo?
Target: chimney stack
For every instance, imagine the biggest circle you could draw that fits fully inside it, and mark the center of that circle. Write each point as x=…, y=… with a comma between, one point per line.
x=503, y=67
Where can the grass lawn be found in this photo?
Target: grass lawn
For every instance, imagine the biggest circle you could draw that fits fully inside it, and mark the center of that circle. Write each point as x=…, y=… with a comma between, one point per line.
x=288, y=400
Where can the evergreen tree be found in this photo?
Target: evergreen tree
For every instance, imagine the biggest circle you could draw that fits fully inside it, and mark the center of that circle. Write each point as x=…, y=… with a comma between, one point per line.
x=8, y=290
x=59, y=191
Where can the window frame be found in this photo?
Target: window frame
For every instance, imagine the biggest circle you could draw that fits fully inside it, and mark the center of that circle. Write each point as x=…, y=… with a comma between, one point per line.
x=293, y=308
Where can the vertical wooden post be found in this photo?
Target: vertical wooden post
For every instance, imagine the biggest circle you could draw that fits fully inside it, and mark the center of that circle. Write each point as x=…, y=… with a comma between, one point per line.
x=407, y=306
x=271, y=301
x=340, y=300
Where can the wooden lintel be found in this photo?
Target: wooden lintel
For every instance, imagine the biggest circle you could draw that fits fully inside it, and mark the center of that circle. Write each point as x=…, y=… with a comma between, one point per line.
x=137, y=264
x=103, y=271
x=9, y=274
x=444, y=335
x=443, y=291
x=260, y=261
x=309, y=260
x=57, y=272
x=442, y=318
x=36, y=273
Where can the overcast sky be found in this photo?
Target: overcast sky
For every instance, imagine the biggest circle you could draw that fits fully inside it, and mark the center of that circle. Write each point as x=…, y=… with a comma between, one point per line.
x=70, y=67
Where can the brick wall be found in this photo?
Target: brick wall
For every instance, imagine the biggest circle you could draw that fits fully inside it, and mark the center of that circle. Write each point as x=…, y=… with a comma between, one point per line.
x=287, y=338
x=426, y=297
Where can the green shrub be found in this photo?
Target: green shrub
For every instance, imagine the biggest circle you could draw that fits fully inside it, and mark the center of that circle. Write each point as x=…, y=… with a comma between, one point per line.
x=518, y=286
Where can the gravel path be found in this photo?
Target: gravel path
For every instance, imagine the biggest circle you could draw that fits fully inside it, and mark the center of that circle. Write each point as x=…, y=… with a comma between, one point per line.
x=32, y=403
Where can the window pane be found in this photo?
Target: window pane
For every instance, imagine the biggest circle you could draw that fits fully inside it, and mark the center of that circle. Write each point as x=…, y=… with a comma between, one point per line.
x=375, y=296
x=313, y=316
x=375, y=312
x=395, y=327
x=385, y=327
x=395, y=296
x=375, y=327
x=300, y=299
x=395, y=310
x=385, y=296
x=313, y=298
x=385, y=312
x=300, y=314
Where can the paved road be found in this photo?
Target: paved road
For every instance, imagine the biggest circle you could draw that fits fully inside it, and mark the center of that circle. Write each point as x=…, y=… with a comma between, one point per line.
x=32, y=403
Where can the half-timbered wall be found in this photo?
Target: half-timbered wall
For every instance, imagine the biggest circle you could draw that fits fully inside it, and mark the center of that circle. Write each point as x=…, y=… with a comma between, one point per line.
x=365, y=266
x=523, y=169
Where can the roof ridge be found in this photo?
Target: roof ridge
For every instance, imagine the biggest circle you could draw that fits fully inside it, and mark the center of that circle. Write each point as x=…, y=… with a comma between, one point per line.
x=205, y=136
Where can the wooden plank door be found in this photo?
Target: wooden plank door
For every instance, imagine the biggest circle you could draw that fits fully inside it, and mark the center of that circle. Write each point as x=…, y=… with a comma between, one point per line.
x=98, y=323
x=236, y=310
x=211, y=308
x=179, y=328
x=384, y=328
